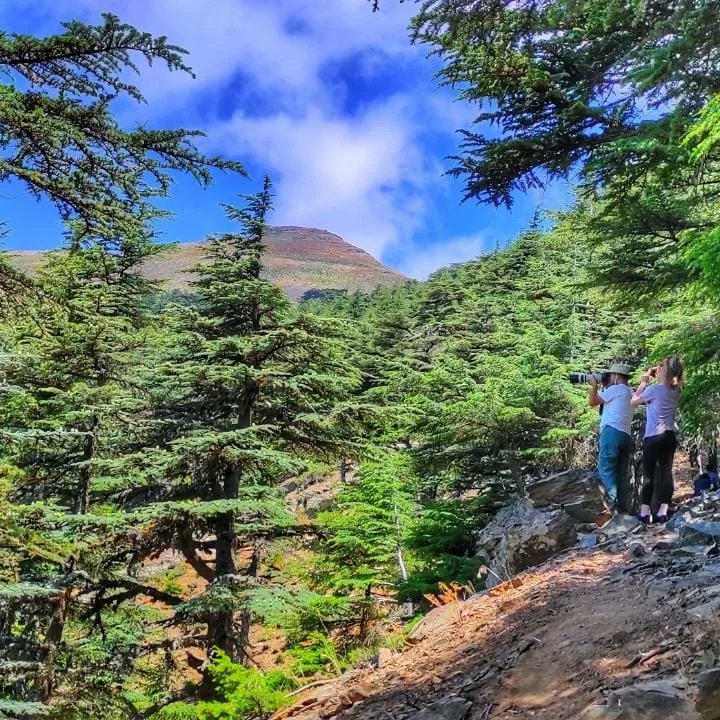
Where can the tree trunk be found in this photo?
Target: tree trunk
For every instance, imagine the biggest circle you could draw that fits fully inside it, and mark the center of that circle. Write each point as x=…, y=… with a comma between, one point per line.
x=365, y=613
x=45, y=683
x=343, y=470
x=398, y=548
x=245, y=619
x=83, y=499
x=221, y=627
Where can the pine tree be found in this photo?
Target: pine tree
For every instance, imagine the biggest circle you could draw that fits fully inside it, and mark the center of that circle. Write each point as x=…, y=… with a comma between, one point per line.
x=61, y=140
x=604, y=86
x=369, y=528
x=244, y=389
x=72, y=365
x=67, y=409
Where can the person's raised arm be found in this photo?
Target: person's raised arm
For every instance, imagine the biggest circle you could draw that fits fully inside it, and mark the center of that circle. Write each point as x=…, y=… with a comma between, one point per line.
x=637, y=397
x=593, y=398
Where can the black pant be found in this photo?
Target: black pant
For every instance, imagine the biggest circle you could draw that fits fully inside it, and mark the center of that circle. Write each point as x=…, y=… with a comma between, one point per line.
x=658, y=454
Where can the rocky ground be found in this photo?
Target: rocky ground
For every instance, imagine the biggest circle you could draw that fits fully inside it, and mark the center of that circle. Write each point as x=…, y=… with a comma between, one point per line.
x=621, y=626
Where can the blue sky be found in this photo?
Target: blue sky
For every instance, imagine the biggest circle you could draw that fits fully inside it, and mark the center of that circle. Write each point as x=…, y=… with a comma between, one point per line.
x=327, y=97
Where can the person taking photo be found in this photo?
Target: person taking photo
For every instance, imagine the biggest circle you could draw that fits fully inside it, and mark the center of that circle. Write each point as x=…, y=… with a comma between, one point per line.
x=616, y=443
x=660, y=439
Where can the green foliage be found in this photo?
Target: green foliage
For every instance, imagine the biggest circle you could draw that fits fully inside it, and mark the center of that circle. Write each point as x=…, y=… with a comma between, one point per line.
x=18, y=709
x=298, y=611
x=61, y=139
x=703, y=137
x=481, y=371
x=369, y=527
x=626, y=94
x=139, y=427
x=443, y=543
x=72, y=400
x=133, y=434
x=246, y=691
x=243, y=395
x=245, y=694
x=701, y=242
x=315, y=653
x=604, y=86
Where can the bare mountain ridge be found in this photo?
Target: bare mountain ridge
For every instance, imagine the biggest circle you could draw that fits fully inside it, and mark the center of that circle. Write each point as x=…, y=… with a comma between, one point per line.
x=297, y=259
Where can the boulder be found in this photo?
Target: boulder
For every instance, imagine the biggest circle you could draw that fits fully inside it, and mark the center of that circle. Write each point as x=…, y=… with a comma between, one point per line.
x=436, y=619
x=645, y=701
x=700, y=531
x=290, y=485
x=600, y=712
x=707, y=698
x=619, y=525
x=522, y=536
x=574, y=490
x=706, y=610
x=448, y=709
x=678, y=519
x=651, y=700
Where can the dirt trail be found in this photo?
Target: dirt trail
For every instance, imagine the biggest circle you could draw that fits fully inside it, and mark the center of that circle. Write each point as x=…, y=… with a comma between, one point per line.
x=547, y=644
x=544, y=649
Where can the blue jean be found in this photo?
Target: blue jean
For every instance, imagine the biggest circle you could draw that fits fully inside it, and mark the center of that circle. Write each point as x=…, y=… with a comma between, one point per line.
x=613, y=460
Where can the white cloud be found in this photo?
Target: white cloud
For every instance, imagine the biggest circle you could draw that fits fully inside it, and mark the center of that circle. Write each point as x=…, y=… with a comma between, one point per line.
x=373, y=176
x=365, y=178
x=280, y=45
x=419, y=262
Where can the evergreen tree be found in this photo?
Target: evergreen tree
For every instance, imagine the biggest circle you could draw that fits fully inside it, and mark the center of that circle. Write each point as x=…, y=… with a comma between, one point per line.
x=245, y=390
x=606, y=86
x=73, y=365
x=67, y=410
x=62, y=142
x=369, y=527
x=701, y=241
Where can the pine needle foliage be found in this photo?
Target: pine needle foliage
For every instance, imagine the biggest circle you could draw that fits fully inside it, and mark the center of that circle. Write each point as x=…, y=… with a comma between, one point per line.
x=243, y=391
x=606, y=86
x=60, y=138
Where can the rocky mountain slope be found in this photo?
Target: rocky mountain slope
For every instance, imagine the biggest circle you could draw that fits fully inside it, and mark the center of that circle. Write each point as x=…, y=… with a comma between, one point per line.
x=622, y=626
x=298, y=259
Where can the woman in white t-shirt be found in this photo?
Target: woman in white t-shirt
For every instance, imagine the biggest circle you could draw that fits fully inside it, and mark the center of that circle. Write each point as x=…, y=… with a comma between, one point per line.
x=660, y=440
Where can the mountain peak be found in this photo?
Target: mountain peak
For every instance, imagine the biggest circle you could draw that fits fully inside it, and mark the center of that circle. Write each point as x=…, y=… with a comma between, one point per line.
x=297, y=259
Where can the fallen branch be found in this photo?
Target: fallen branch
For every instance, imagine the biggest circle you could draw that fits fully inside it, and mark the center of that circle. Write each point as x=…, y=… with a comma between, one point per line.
x=644, y=657
x=317, y=683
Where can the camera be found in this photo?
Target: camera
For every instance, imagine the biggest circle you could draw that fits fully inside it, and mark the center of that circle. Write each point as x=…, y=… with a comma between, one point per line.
x=577, y=378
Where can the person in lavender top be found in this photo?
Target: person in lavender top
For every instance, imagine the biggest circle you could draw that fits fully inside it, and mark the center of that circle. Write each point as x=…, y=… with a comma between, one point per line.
x=660, y=439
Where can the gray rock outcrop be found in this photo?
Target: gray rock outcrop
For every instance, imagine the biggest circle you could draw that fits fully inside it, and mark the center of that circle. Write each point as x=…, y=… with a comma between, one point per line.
x=522, y=536
x=533, y=529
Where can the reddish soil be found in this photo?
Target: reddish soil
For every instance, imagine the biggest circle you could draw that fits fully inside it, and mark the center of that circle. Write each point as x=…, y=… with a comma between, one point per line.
x=545, y=649
x=570, y=633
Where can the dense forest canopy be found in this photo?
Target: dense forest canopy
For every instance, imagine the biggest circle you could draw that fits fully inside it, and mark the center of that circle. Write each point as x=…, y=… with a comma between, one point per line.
x=158, y=458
